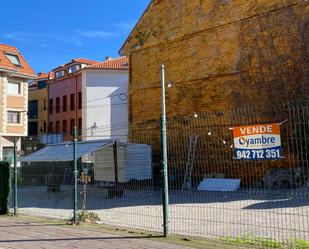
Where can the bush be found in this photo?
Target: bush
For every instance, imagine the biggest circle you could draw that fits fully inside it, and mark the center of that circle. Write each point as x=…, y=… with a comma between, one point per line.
x=4, y=187
x=85, y=217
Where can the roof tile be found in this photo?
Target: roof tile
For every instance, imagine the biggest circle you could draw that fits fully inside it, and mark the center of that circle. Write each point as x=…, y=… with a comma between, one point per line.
x=121, y=63
x=6, y=64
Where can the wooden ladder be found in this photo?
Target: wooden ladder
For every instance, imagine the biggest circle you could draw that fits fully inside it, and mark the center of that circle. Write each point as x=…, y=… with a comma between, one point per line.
x=189, y=164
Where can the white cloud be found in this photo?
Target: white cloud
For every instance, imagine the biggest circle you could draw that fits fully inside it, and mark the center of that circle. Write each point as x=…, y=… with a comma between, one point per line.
x=69, y=39
x=43, y=39
x=95, y=34
x=125, y=25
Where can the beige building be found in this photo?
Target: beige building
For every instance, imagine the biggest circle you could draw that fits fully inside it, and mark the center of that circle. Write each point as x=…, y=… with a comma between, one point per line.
x=14, y=76
x=38, y=105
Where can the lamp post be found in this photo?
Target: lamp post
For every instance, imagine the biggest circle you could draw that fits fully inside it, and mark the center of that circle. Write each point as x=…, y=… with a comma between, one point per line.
x=165, y=197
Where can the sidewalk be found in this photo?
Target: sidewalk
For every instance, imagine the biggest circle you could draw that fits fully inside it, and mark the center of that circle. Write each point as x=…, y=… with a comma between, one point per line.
x=16, y=234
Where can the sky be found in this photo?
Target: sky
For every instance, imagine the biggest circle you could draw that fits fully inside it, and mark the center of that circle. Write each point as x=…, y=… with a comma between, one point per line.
x=49, y=33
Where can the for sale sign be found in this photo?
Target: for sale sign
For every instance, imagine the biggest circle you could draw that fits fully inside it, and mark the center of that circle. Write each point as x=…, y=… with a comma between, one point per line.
x=257, y=142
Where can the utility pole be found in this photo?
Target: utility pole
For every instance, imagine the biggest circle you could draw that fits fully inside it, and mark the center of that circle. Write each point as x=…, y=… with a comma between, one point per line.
x=165, y=197
x=75, y=175
x=15, y=179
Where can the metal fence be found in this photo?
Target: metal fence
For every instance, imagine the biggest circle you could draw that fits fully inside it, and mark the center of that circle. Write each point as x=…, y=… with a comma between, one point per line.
x=271, y=203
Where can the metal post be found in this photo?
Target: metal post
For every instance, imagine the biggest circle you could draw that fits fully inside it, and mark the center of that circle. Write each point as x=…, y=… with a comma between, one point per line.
x=75, y=175
x=15, y=179
x=164, y=157
x=116, y=191
x=115, y=163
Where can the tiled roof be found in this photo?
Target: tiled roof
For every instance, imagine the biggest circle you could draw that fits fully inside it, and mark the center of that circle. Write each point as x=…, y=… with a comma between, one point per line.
x=76, y=60
x=85, y=61
x=42, y=76
x=112, y=64
x=6, y=64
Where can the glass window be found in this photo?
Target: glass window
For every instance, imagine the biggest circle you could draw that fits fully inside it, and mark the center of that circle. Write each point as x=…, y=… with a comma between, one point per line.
x=44, y=127
x=42, y=84
x=44, y=105
x=72, y=102
x=51, y=107
x=13, y=117
x=13, y=58
x=64, y=127
x=59, y=74
x=50, y=127
x=13, y=88
x=57, y=126
x=8, y=154
x=72, y=125
x=57, y=105
x=64, y=104
x=80, y=126
x=80, y=100
x=33, y=128
x=72, y=69
x=33, y=109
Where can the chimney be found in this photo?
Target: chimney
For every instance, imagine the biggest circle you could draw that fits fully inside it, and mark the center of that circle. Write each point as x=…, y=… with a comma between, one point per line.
x=108, y=58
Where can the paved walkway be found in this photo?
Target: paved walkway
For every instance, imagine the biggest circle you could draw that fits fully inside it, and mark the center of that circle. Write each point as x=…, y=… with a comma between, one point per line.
x=24, y=235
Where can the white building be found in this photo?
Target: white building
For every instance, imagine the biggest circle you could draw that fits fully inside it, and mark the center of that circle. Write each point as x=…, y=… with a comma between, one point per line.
x=105, y=100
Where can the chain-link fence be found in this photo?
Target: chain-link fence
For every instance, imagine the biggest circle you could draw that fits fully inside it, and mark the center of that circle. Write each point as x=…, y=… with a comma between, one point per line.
x=125, y=188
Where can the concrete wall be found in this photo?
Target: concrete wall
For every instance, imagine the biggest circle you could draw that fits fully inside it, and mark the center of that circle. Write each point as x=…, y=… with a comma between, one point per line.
x=17, y=103
x=105, y=104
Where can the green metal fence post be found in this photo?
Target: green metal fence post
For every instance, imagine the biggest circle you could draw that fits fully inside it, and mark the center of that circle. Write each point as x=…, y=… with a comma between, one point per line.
x=15, y=179
x=164, y=157
x=75, y=175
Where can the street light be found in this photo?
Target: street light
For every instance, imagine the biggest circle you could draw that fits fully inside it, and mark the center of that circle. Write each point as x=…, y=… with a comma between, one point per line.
x=165, y=196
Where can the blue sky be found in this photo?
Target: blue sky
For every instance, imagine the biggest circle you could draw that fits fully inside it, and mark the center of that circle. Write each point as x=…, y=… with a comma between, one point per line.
x=51, y=32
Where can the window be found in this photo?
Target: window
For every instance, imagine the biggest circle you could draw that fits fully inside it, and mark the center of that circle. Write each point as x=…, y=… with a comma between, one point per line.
x=44, y=105
x=14, y=59
x=51, y=106
x=33, y=128
x=44, y=127
x=64, y=103
x=13, y=117
x=57, y=126
x=59, y=74
x=13, y=88
x=72, y=124
x=64, y=127
x=72, y=102
x=33, y=109
x=57, y=105
x=80, y=100
x=42, y=84
x=80, y=126
x=74, y=68
x=50, y=127
x=8, y=154
x=71, y=69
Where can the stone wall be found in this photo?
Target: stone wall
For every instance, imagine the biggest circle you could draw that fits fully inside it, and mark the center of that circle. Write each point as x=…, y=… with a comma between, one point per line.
x=219, y=54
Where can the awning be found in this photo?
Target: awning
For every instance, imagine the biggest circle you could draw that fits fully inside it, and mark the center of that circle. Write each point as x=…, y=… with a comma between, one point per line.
x=64, y=152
